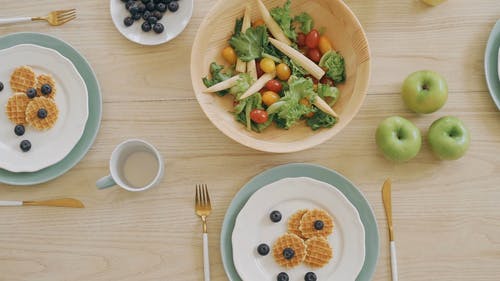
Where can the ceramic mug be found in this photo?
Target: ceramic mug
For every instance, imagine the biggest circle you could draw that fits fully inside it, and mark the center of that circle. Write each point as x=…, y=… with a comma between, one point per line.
x=118, y=159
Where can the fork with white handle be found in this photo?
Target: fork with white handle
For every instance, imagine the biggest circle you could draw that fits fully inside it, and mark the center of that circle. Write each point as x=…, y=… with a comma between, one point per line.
x=54, y=18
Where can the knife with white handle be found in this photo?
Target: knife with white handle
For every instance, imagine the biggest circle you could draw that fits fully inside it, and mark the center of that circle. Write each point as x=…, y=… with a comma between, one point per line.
x=386, y=198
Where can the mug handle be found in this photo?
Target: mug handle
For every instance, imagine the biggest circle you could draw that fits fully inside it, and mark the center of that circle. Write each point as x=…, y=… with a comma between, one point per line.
x=105, y=182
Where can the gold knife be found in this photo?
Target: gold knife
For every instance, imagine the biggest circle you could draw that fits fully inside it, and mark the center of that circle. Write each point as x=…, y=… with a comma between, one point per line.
x=386, y=198
x=63, y=202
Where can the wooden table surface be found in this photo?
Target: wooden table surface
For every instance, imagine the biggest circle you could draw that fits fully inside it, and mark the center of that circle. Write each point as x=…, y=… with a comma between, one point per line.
x=446, y=214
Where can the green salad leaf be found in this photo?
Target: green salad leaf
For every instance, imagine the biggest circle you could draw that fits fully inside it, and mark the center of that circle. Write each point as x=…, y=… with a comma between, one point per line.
x=283, y=17
x=238, y=24
x=217, y=75
x=321, y=120
x=326, y=91
x=250, y=44
x=334, y=63
x=288, y=109
x=244, y=107
x=306, y=22
x=244, y=82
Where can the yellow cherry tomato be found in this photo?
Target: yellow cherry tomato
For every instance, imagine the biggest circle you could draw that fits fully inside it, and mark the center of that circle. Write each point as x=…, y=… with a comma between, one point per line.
x=283, y=71
x=258, y=22
x=324, y=44
x=270, y=97
x=304, y=101
x=229, y=55
x=267, y=65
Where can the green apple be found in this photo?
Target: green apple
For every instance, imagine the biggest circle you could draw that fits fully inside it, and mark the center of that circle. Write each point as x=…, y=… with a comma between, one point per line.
x=424, y=91
x=398, y=139
x=449, y=138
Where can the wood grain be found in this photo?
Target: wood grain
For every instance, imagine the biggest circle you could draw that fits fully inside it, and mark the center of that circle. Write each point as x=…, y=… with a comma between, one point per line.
x=446, y=214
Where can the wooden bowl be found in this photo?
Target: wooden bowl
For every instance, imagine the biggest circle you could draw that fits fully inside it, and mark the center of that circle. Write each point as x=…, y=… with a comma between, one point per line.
x=347, y=36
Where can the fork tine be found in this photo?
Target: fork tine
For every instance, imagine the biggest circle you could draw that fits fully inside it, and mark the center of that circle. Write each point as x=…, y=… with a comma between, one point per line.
x=208, y=196
x=204, y=198
x=66, y=16
x=197, y=197
x=66, y=20
x=65, y=11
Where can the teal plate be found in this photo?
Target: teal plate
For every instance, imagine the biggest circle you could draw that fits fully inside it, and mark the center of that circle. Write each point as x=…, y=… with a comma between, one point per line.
x=491, y=64
x=315, y=172
x=95, y=109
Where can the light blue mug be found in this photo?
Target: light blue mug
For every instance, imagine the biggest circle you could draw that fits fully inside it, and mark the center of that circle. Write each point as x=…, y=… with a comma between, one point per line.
x=118, y=159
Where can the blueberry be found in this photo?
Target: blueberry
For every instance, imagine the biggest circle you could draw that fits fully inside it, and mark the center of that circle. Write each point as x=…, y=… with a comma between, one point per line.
x=141, y=7
x=42, y=113
x=158, y=27
x=46, y=89
x=158, y=15
x=129, y=4
x=318, y=225
x=146, y=15
x=128, y=21
x=150, y=6
x=282, y=277
x=31, y=93
x=25, y=145
x=275, y=216
x=133, y=9
x=263, y=249
x=146, y=27
x=1, y=86
x=137, y=16
x=19, y=130
x=152, y=20
x=310, y=276
x=288, y=253
x=161, y=7
x=173, y=6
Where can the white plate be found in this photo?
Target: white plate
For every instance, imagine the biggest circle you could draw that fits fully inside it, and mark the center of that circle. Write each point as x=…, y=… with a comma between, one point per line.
x=174, y=23
x=50, y=146
x=288, y=195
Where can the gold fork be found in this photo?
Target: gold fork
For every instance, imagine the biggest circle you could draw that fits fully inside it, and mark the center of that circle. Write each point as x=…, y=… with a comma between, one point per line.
x=203, y=209
x=54, y=18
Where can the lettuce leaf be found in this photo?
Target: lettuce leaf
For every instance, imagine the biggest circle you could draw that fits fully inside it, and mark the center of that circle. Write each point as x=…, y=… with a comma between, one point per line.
x=283, y=17
x=321, y=120
x=327, y=92
x=250, y=44
x=334, y=63
x=290, y=110
x=244, y=82
x=238, y=24
x=217, y=75
x=306, y=22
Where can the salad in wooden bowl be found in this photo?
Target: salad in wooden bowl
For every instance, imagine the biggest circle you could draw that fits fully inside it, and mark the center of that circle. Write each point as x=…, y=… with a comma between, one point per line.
x=280, y=76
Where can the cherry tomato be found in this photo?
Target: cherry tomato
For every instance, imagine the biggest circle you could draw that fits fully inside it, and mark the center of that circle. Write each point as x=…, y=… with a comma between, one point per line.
x=324, y=44
x=304, y=101
x=229, y=55
x=312, y=39
x=315, y=81
x=259, y=70
x=314, y=55
x=301, y=39
x=270, y=97
x=283, y=71
x=258, y=22
x=327, y=80
x=274, y=85
x=267, y=65
x=259, y=116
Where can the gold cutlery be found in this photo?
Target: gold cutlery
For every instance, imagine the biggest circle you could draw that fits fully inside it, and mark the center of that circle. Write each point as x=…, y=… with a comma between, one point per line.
x=386, y=198
x=63, y=202
x=54, y=18
x=203, y=209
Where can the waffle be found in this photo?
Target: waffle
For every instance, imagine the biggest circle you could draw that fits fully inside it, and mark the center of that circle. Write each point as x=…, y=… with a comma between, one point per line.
x=294, y=222
x=16, y=108
x=45, y=79
x=308, y=220
x=289, y=241
x=319, y=252
x=22, y=79
x=32, y=113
